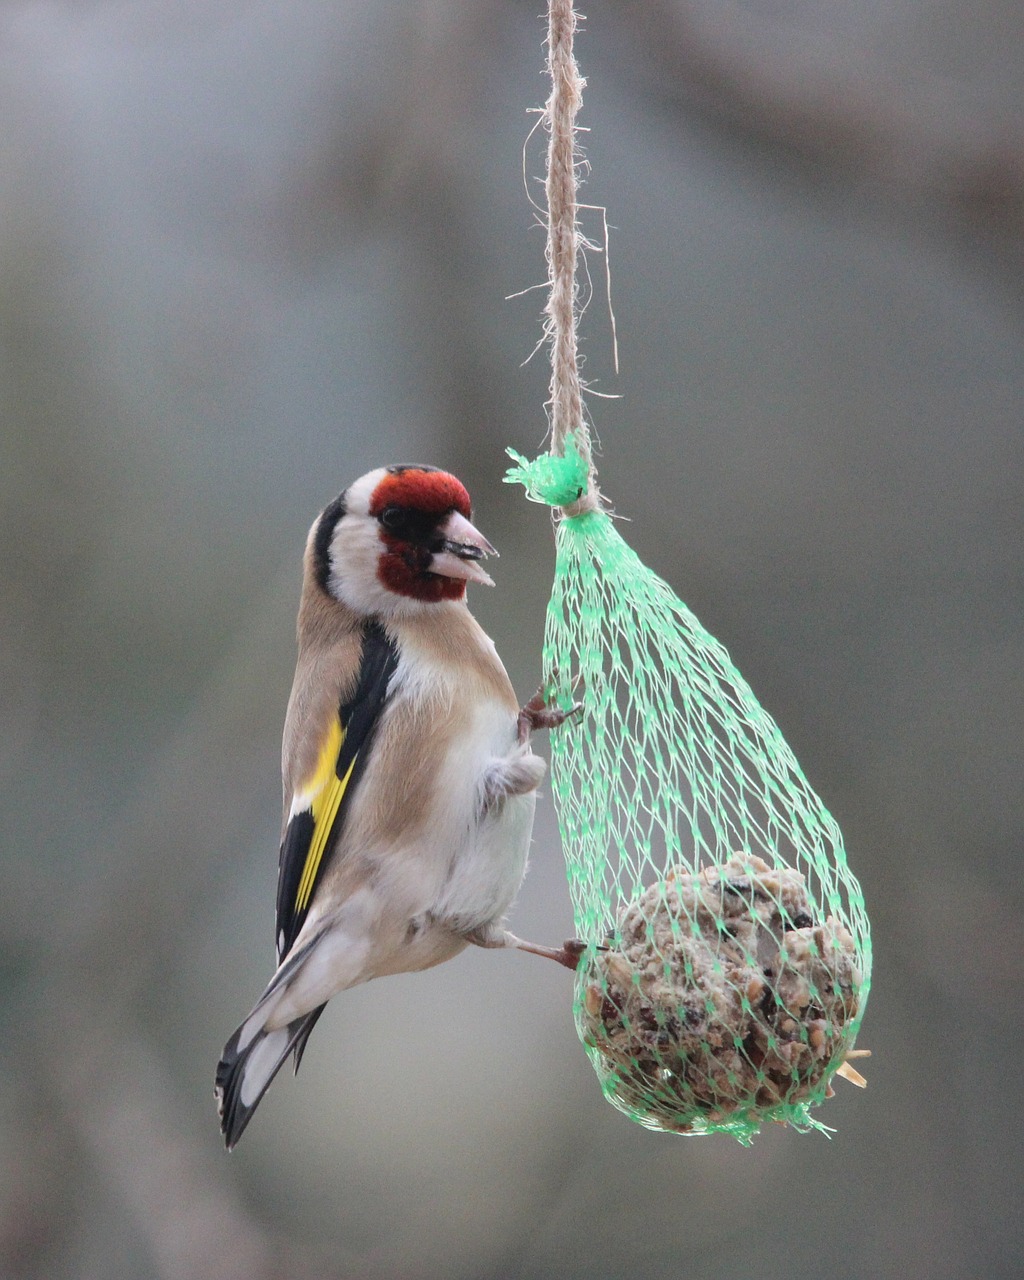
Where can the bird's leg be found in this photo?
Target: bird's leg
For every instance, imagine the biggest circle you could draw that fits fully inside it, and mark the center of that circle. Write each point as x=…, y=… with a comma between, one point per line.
x=541, y=713
x=516, y=775
x=567, y=954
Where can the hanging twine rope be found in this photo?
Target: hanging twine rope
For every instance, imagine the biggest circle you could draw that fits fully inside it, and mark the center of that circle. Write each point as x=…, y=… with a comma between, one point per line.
x=569, y=434
x=561, y=185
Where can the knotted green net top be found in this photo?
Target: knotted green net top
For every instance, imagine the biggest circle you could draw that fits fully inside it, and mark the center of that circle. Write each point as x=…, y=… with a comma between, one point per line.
x=728, y=955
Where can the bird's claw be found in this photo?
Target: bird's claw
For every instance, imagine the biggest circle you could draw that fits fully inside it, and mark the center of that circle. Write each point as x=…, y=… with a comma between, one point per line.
x=571, y=953
x=542, y=713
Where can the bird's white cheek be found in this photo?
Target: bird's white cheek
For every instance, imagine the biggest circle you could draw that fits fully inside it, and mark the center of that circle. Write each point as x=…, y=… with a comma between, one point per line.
x=355, y=553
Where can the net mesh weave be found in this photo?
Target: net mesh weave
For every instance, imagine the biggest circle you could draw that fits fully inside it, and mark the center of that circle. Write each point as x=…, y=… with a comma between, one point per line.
x=728, y=949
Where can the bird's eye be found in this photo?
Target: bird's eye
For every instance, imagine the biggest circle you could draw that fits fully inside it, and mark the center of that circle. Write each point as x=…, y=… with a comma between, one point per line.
x=391, y=517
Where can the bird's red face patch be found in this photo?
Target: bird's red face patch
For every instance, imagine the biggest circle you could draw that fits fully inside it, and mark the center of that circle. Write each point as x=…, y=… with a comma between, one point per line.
x=428, y=492
x=411, y=503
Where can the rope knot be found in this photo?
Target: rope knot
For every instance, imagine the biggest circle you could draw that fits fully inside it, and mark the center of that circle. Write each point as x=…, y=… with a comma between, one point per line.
x=556, y=481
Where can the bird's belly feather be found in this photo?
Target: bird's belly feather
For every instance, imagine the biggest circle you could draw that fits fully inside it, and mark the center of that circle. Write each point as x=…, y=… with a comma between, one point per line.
x=485, y=876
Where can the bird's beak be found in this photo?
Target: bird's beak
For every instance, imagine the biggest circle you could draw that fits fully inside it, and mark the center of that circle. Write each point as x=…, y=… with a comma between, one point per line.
x=462, y=548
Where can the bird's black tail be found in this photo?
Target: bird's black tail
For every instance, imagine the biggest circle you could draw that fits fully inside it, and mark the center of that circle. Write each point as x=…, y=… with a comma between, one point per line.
x=249, y=1063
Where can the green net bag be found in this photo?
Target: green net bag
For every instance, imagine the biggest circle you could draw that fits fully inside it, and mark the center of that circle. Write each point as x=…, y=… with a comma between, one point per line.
x=728, y=955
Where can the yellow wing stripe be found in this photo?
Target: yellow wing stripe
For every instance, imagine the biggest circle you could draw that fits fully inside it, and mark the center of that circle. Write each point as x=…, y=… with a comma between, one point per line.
x=325, y=810
x=328, y=791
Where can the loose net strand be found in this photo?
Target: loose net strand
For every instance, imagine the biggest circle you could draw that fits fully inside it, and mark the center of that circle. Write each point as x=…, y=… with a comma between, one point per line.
x=728, y=950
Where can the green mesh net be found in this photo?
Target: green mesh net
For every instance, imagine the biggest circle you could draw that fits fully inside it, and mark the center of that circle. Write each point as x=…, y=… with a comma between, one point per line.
x=728, y=950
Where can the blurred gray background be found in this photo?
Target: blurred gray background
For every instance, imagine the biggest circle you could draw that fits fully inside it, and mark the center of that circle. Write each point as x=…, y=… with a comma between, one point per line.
x=249, y=251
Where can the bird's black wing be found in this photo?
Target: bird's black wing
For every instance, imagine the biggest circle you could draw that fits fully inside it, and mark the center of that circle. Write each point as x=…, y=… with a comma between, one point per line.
x=314, y=829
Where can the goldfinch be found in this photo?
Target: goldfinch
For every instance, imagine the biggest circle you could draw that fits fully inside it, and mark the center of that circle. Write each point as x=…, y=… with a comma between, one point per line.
x=409, y=783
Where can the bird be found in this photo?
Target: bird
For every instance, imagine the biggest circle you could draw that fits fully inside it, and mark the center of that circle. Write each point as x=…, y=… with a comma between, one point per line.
x=408, y=777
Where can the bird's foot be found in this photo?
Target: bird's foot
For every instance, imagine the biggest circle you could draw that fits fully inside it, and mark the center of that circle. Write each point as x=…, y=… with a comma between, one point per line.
x=541, y=713
x=570, y=953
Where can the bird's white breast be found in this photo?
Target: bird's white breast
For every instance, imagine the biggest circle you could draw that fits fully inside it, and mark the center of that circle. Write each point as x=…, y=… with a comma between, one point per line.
x=469, y=860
